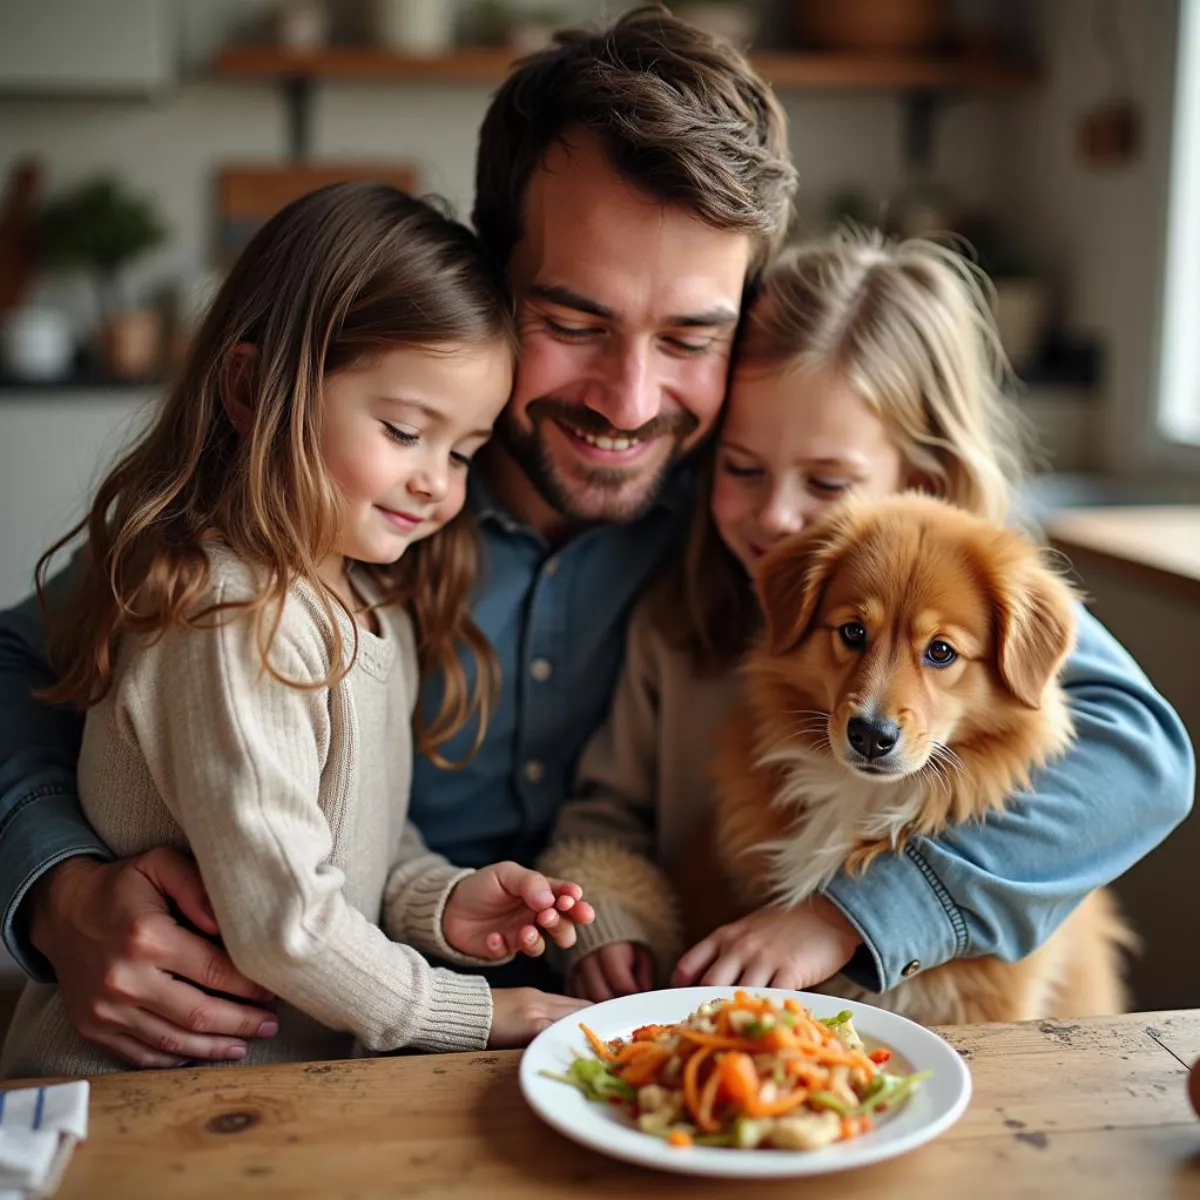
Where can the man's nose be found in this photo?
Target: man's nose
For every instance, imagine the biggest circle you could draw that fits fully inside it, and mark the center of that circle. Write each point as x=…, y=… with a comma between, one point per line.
x=630, y=395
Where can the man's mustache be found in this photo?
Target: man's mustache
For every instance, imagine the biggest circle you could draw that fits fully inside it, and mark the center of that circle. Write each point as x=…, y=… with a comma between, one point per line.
x=679, y=425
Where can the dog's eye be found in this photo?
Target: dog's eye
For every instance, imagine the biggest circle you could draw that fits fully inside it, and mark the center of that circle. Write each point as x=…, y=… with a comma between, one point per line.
x=854, y=635
x=940, y=654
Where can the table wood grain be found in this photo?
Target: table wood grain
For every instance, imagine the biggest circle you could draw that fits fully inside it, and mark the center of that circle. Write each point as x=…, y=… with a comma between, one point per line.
x=1088, y=1108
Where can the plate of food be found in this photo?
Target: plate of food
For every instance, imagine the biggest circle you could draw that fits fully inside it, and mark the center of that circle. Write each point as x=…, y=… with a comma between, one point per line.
x=744, y=1083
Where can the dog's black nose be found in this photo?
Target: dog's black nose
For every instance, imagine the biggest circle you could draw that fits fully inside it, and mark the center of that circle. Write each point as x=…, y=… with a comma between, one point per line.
x=873, y=739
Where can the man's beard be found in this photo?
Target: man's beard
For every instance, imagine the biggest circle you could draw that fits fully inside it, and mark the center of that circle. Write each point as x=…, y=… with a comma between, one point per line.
x=603, y=485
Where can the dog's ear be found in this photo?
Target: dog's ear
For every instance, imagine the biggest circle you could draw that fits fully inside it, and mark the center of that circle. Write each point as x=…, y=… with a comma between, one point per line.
x=1035, y=627
x=790, y=579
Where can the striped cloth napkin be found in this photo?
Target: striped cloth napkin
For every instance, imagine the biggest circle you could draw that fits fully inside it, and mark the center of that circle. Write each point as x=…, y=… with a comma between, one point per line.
x=39, y=1127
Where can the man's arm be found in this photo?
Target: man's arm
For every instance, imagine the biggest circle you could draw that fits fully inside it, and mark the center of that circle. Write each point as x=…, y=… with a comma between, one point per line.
x=1002, y=887
x=106, y=928
x=41, y=823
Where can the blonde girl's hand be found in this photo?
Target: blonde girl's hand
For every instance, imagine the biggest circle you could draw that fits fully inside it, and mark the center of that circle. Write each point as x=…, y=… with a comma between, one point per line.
x=618, y=969
x=520, y=1014
x=505, y=909
x=794, y=948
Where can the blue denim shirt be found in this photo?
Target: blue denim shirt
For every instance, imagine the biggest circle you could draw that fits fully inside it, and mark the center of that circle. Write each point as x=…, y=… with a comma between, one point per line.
x=557, y=618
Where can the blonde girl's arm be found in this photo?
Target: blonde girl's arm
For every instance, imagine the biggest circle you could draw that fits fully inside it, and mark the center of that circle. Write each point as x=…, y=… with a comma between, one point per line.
x=237, y=757
x=604, y=837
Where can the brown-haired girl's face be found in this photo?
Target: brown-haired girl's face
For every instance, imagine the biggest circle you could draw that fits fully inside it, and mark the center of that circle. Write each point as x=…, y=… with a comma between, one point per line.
x=397, y=434
x=795, y=442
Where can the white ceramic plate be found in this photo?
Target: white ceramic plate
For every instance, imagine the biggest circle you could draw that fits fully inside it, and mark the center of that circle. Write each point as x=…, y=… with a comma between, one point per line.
x=931, y=1110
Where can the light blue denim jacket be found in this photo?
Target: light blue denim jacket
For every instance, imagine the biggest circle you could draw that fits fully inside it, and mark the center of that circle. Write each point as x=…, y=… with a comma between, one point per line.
x=556, y=619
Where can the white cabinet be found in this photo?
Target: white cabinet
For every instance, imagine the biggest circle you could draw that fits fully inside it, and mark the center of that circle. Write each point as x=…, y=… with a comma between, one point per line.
x=87, y=47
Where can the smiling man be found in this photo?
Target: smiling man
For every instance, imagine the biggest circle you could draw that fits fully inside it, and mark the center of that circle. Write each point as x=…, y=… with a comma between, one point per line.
x=633, y=182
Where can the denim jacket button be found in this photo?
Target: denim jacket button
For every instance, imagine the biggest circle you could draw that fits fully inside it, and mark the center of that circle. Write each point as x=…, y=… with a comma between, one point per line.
x=912, y=968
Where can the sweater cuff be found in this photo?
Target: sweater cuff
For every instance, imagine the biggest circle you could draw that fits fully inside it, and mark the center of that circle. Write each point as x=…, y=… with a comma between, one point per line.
x=458, y=1015
x=632, y=898
x=908, y=920
x=415, y=907
x=614, y=923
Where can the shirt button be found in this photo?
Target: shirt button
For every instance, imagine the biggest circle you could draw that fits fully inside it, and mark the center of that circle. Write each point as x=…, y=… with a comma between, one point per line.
x=535, y=771
x=551, y=567
x=912, y=968
x=541, y=669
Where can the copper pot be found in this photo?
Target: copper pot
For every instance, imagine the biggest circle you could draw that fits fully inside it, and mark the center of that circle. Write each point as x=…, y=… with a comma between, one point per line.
x=878, y=26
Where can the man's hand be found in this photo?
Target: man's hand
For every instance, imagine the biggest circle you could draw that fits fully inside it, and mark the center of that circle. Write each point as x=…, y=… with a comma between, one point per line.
x=774, y=947
x=520, y=1014
x=618, y=969
x=123, y=962
x=497, y=911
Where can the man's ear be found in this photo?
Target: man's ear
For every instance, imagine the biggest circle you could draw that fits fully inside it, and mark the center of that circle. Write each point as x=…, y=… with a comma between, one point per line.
x=791, y=578
x=1035, y=628
x=237, y=387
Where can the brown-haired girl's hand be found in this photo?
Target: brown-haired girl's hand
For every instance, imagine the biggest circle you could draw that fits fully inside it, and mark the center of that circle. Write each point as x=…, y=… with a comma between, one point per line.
x=505, y=908
x=618, y=969
x=520, y=1014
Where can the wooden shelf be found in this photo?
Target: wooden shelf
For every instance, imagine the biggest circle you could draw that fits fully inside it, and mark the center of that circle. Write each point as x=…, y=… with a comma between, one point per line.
x=486, y=65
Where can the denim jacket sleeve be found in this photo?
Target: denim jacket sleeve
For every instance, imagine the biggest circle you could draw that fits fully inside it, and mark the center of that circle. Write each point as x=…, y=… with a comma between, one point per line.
x=1002, y=887
x=41, y=823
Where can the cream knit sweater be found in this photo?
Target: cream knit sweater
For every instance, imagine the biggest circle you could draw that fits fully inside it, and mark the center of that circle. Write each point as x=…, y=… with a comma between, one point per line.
x=293, y=803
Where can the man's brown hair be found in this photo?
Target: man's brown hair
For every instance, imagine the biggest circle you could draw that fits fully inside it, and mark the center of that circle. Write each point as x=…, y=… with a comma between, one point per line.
x=681, y=114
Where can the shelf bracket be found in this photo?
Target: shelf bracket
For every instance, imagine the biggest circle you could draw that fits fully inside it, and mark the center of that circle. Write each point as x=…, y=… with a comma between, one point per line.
x=298, y=99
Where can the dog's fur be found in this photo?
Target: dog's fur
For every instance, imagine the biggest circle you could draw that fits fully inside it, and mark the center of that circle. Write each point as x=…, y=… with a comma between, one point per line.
x=797, y=803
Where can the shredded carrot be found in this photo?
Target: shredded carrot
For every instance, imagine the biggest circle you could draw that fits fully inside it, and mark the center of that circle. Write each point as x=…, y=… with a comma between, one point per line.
x=880, y=1056
x=849, y=1127
x=739, y=1079
x=679, y=1137
x=601, y=1049
x=691, y=1076
x=777, y=1108
x=715, y=1041
x=792, y=1005
x=644, y=1069
x=708, y=1099
x=634, y=1050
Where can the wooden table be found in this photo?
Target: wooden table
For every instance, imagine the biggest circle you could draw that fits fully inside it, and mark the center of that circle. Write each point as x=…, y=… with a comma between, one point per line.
x=1093, y=1108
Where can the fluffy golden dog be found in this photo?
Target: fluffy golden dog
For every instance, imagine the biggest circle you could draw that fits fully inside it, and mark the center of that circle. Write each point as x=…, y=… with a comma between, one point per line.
x=907, y=681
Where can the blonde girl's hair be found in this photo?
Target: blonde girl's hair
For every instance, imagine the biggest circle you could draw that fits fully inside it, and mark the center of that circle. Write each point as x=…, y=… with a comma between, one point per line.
x=908, y=326
x=333, y=280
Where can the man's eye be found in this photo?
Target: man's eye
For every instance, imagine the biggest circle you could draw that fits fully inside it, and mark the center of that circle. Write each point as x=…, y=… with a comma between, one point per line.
x=689, y=347
x=570, y=331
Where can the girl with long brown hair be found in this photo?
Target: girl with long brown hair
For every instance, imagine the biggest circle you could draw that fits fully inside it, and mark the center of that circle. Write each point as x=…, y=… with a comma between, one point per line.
x=266, y=574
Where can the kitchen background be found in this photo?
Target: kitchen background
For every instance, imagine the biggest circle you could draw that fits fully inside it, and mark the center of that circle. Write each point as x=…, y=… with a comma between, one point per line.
x=140, y=140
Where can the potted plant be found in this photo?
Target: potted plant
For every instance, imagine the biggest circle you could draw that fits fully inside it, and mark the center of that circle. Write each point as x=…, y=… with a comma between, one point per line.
x=102, y=228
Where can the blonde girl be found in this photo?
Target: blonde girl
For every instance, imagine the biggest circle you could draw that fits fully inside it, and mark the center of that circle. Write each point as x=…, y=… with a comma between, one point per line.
x=265, y=575
x=865, y=366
